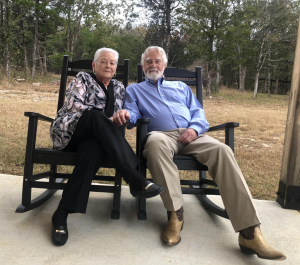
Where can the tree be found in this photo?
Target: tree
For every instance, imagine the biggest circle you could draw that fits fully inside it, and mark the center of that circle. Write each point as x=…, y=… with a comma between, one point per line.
x=36, y=38
x=238, y=43
x=1, y=31
x=6, y=15
x=272, y=25
x=162, y=21
x=280, y=61
x=205, y=22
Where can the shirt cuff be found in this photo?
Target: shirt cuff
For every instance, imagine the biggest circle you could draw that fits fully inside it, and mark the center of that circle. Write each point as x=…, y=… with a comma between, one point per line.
x=196, y=128
x=132, y=119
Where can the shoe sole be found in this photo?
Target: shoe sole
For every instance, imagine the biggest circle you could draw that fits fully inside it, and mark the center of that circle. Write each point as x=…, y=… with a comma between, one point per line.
x=249, y=251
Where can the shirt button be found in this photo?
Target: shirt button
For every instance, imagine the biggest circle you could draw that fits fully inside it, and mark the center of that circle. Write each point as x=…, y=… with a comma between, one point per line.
x=162, y=95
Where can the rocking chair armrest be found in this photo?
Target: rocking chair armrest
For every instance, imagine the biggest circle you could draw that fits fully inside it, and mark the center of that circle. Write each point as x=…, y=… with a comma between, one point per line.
x=32, y=132
x=39, y=116
x=224, y=126
x=141, y=126
x=140, y=122
x=141, y=135
x=229, y=132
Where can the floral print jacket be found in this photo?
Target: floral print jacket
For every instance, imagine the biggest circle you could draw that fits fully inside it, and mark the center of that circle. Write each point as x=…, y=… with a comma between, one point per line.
x=83, y=94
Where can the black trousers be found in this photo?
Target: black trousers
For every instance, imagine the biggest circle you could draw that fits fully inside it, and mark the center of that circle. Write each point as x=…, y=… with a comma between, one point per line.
x=95, y=138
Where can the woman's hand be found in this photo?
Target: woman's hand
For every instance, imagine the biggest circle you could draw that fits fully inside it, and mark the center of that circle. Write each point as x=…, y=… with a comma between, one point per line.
x=120, y=117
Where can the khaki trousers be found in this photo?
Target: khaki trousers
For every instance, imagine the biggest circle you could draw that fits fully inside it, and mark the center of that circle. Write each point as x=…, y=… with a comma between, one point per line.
x=222, y=167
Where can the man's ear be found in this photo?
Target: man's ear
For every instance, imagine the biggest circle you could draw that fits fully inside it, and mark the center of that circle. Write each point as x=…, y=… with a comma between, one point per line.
x=93, y=65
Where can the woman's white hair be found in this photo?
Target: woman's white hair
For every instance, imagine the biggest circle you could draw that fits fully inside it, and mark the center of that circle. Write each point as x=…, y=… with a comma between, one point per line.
x=160, y=50
x=99, y=51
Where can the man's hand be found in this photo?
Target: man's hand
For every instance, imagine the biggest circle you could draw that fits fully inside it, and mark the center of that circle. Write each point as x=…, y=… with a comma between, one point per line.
x=120, y=117
x=188, y=136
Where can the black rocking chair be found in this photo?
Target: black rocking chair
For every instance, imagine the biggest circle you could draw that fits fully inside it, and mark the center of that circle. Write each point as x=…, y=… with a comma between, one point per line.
x=54, y=157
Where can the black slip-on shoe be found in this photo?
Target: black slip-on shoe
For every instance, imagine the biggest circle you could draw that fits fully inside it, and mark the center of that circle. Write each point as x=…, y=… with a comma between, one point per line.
x=59, y=234
x=150, y=190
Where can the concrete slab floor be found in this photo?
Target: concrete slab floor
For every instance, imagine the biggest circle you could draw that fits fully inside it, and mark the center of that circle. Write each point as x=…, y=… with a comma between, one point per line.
x=94, y=238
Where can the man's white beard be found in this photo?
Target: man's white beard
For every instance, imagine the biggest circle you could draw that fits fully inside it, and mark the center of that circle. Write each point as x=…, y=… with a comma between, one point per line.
x=154, y=74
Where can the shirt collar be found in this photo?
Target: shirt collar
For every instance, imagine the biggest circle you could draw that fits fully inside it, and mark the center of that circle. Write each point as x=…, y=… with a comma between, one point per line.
x=159, y=82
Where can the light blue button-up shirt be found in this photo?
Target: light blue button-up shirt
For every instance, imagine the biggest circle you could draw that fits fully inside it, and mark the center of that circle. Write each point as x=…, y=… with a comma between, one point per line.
x=168, y=104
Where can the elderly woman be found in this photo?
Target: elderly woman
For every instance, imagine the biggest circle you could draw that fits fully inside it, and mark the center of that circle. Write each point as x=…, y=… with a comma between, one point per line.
x=84, y=125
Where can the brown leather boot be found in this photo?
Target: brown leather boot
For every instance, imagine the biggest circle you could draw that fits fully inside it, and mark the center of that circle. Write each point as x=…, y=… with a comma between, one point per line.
x=251, y=242
x=171, y=234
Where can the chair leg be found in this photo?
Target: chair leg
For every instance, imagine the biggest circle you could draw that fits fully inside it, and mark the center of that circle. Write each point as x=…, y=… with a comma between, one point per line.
x=141, y=208
x=115, y=213
x=26, y=189
x=202, y=175
x=26, y=195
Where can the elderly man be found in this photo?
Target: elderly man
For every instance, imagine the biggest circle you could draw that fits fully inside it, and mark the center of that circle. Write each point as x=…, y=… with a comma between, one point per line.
x=178, y=126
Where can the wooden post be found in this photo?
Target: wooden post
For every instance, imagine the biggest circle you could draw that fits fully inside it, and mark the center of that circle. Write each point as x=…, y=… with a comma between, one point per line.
x=289, y=186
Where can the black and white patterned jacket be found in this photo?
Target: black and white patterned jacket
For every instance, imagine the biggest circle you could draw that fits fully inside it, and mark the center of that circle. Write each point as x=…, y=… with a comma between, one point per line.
x=83, y=94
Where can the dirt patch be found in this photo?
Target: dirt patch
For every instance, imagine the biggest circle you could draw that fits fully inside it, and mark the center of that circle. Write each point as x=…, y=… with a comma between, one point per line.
x=28, y=95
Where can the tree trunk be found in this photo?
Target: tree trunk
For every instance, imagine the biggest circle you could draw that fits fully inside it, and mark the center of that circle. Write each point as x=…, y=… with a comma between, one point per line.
x=45, y=54
x=68, y=39
x=232, y=77
x=208, y=79
x=266, y=84
x=242, y=76
x=74, y=40
x=36, y=39
x=269, y=84
x=23, y=46
x=1, y=32
x=38, y=51
x=7, y=37
x=168, y=21
x=277, y=82
x=269, y=77
x=259, y=65
x=256, y=84
x=218, y=75
x=74, y=36
x=26, y=66
x=276, y=86
x=7, y=62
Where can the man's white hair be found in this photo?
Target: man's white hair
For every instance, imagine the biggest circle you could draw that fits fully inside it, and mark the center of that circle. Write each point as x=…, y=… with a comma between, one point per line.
x=102, y=50
x=160, y=50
